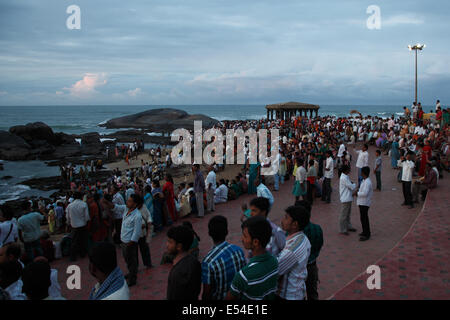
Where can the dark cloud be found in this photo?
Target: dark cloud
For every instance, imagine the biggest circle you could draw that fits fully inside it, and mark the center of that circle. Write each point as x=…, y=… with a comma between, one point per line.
x=221, y=51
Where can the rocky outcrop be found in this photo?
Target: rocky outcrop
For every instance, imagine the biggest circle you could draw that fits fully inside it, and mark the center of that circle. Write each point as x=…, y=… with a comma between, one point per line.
x=13, y=147
x=38, y=141
x=36, y=134
x=160, y=120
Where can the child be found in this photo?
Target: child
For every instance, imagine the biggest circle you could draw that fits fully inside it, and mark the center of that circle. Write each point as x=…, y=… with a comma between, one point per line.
x=377, y=170
x=51, y=220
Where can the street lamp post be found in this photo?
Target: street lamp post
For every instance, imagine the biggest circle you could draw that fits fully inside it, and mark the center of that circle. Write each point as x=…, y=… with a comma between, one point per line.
x=415, y=48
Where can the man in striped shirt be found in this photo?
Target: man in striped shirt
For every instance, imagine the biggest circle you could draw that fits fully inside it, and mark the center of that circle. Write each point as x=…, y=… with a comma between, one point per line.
x=293, y=260
x=221, y=263
x=258, y=279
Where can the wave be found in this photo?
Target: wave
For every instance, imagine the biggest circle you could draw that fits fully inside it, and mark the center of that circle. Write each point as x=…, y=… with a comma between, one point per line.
x=8, y=193
x=72, y=127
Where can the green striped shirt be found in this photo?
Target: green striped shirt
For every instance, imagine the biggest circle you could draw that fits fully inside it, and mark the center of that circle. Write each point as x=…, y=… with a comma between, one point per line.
x=258, y=280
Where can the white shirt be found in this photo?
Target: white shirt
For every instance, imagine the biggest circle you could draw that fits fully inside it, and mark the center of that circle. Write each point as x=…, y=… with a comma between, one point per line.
x=300, y=175
x=365, y=193
x=329, y=165
x=77, y=214
x=407, y=171
x=363, y=159
x=346, y=188
x=118, y=201
x=341, y=150
x=221, y=194
x=211, y=179
x=5, y=227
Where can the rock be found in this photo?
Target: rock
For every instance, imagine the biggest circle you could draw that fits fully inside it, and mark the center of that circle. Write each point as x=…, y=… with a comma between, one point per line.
x=13, y=147
x=6, y=178
x=64, y=138
x=91, y=144
x=35, y=131
x=160, y=120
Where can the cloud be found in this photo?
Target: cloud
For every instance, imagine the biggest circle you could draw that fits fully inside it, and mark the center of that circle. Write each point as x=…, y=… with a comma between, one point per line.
x=3, y=93
x=85, y=87
x=135, y=92
x=402, y=19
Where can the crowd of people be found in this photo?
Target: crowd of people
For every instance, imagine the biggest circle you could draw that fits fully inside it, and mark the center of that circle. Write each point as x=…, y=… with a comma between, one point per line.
x=129, y=209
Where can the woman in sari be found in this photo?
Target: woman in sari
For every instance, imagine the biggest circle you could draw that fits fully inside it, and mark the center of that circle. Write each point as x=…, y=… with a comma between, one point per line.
x=148, y=200
x=170, y=197
x=426, y=155
x=395, y=154
x=253, y=175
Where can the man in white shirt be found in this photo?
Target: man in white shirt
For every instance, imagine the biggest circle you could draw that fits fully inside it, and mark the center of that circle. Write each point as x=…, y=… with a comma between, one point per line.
x=364, y=200
x=328, y=175
x=362, y=161
x=341, y=152
x=346, y=189
x=210, y=188
x=117, y=213
x=438, y=105
x=9, y=231
x=221, y=193
x=407, y=173
x=77, y=218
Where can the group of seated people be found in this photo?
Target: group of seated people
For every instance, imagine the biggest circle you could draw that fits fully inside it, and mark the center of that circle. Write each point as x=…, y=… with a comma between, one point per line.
x=225, y=191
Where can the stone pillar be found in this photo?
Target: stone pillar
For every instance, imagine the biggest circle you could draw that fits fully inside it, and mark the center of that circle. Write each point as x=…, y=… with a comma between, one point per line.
x=267, y=114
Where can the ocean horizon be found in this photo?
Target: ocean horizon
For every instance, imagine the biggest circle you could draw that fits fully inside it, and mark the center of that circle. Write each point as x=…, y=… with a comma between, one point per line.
x=79, y=119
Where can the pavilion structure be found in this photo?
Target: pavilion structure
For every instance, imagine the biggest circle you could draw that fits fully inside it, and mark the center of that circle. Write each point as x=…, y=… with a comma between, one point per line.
x=286, y=110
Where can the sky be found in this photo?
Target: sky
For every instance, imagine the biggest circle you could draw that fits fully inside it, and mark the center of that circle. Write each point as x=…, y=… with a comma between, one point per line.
x=177, y=52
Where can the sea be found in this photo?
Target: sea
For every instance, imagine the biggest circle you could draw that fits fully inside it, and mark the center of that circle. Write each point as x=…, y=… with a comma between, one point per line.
x=82, y=119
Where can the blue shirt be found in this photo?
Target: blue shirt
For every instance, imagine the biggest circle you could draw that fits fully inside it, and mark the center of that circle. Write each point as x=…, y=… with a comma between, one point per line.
x=30, y=225
x=219, y=267
x=263, y=191
x=131, y=225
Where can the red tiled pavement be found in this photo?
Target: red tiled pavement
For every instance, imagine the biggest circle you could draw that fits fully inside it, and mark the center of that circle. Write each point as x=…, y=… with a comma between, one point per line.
x=342, y=257
x=418, y=266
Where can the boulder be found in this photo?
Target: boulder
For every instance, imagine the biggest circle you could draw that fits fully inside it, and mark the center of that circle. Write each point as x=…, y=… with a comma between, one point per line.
x=13, y=147
x=160, y=120
x=35, y=131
